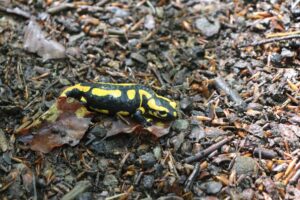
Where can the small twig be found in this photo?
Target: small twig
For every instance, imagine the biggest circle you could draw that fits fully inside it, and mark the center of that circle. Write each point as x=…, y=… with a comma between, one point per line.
x=192, y=177
x=34, y=187
x=122, y=163
x=223, y=86
x=207, y=151
x=117, y=196
x=3, y=142
x=61, y=7
x=282, y=34
x=270, y=41
x=15, y=11
x=102, y=3
x=79, y=188
x=157, y=74
x=263, y=153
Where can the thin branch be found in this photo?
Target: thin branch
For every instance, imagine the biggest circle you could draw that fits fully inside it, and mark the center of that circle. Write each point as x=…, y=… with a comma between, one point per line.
x=272, y=40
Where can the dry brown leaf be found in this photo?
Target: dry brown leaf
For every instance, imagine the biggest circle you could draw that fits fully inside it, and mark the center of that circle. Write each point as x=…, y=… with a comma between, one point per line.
x=64, y=123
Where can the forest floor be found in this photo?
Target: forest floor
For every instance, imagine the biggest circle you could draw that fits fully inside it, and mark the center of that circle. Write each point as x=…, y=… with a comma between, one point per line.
x=232, y=66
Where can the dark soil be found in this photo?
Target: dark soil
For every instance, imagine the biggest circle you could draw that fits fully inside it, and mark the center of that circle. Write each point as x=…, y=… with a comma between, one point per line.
x=232, y=66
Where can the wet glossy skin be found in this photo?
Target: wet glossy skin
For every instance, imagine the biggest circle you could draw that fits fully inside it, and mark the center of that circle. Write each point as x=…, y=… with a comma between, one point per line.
x=123, y=99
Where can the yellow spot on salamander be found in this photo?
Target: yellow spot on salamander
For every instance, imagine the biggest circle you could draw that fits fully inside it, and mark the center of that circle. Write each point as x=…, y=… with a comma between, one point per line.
x=82, y=99
x=131, y=94
x=102, y=92
x=145, y=93
x=159, y=124
x=152, y=104
x=175, y=114
x=173, y=104
x=123, y=113
x=100, y=110
x=142, y=110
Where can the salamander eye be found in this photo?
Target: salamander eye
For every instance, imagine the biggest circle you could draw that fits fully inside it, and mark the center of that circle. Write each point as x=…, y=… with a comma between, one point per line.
x=162, y=112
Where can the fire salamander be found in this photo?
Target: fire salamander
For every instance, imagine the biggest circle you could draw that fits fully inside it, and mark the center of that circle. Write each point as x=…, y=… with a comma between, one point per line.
x=125, y=99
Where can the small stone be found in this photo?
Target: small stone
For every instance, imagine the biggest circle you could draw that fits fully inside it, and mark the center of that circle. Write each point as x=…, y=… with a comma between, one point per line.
x=241, y=64
x=85, y=196
x=149, y=22
x=290, y=73
x=211, y=187
x=213, y=132
x=207, y=28
x=3, y=142
x=159, y=169
x=157, y=152
x=186, y=147
x=103, y=164
x=98, y=131
x=245, y=165
x=256, y=130
x=177, y=140
x=139, y=58
x=276, y=58
x=74, y=38
x=180, y=125
x=285, y=53
x=147, y=160
x=197, y=133
x=118, y=12
x=110, y=180
x=247, y=194
x=186, y=104
x=255, y=106
x=114, y=64
x=148, y=181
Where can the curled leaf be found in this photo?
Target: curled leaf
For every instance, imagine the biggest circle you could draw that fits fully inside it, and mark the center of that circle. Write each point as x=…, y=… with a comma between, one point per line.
x=64, y=123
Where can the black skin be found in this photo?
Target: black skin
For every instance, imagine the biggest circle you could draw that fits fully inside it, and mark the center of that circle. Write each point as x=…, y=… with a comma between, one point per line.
x=116, y=104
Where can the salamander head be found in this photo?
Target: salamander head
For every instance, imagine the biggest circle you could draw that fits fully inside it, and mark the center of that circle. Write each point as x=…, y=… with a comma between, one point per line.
x=76, y=91
x=162, y=108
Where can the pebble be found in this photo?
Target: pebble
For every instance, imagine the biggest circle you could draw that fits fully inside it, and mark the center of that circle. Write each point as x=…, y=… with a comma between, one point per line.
x=186, y=104
x=241, y=64
x=114, y=64
x=247, y=194
x=149, y=22
x=276, y=59
x=285, y=53
x=180, y=125
x=211, y=187
x=157, y=151
x=138, y=57
x=110, y=180
x=148, y=181
x=177, y=140
x=98, y=131
x=3, y=142
x=186, y=147
x=207, y=28
x=147, y=160
x=256, y=130
x=245, y=165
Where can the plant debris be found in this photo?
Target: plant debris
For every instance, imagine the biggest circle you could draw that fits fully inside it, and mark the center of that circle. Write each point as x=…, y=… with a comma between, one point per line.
x=231, y=66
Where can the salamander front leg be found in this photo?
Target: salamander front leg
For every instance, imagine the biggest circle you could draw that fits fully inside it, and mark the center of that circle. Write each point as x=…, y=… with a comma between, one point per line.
x=138, y=116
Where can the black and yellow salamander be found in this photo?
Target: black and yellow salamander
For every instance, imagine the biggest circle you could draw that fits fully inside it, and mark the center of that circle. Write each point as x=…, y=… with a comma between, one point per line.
x=123, y=99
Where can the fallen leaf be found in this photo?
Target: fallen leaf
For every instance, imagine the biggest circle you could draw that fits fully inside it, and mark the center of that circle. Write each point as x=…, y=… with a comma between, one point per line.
x=36, y=42
x=64, y=123
x=158, y=129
